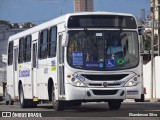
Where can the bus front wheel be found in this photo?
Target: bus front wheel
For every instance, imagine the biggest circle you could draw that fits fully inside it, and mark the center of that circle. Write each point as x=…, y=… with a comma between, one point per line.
x=114, y=104
x=57, y=104
x=142, y=99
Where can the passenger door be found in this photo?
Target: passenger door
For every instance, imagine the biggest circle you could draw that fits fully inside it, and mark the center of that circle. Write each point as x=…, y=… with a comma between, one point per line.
x=34, y=68
x=15, y=64
x=10, y=69
x=60, y=71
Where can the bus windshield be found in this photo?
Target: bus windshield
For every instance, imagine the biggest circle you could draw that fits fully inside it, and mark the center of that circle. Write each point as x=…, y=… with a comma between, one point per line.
x=102, y=50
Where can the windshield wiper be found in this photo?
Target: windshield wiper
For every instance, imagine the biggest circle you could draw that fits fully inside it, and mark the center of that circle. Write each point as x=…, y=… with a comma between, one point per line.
x=90, y=37
x=116, y=36
x=113, y=40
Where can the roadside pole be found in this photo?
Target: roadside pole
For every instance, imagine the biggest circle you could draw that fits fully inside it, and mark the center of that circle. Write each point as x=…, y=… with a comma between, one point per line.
x=152, y=48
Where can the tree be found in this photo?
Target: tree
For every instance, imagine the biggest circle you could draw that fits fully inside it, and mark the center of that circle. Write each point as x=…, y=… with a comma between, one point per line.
x=3, y=22
x=155, y=42
x=28, y=25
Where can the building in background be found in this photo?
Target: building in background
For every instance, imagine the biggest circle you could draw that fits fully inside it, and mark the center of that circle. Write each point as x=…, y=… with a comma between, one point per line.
x=83, y=6
x=142, y=15
x=5, y=33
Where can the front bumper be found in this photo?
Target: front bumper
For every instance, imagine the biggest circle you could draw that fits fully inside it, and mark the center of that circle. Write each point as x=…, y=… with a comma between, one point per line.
x=88, y=93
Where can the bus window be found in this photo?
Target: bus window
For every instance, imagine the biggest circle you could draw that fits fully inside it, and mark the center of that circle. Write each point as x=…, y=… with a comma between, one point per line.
x=20, y=58
x=43, y=44
x=27, y=49
x=10, y=53
x=52, y=42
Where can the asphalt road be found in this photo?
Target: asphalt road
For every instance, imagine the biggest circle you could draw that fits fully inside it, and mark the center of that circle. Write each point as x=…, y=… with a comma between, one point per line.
x=89, y=111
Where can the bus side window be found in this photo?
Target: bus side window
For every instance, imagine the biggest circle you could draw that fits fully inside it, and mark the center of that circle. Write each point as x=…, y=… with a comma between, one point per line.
x=20, y=58
x=52, y=42
x=10, y=53
x=43, y=44
x=27, y=49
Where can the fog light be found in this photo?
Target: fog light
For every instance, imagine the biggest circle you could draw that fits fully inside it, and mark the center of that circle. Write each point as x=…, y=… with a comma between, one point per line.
x=135, y=79
x=73, y=79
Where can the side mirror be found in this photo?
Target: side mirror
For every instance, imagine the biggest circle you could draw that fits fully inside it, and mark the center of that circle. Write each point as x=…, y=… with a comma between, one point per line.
x=140, y=30
x=4, y=58
x=64, y=41
x=141, y=44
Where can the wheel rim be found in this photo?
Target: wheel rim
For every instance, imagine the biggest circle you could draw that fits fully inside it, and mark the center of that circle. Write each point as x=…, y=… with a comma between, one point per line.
x=21, y=97
x=53, y=98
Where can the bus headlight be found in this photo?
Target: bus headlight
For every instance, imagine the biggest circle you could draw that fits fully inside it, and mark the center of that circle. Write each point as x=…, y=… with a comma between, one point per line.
x=131, y=82
x=76, y=82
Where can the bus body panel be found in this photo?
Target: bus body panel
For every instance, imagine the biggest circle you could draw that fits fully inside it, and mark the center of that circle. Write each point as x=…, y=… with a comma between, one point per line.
x=49, y=67
x=133, y=92
x=12, y=87
x=10, y=80
x=1, y=91
x=26, y=79
x=45, y=68
x=80, y=93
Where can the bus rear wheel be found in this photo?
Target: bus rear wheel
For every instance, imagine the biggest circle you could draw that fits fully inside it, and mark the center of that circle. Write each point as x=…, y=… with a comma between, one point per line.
x=11, y=102
x=7, y=102
x=57, y=104
x=114, y=104
x=32, y=104
x=23, y=101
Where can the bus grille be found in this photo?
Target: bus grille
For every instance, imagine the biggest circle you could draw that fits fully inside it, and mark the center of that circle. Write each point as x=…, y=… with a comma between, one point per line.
x=104, y=92
x=105, y=77
x=101, y=85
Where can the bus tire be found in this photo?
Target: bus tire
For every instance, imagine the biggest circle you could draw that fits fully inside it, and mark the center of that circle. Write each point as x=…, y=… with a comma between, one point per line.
x=57, y=104
x=11, y=102
x=76, y=103
x=23, y=101
x=7, y=102
x=32, y=104
x=140, y=100
x=7, y=96
x=114, y=104
x=136, y=100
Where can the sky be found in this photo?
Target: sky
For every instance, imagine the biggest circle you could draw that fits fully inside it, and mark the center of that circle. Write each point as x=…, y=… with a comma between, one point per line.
x=38, y=11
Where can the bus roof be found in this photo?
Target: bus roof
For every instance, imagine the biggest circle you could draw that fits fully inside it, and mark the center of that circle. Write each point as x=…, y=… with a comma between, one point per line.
x=99, y=13
x=59, y=20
